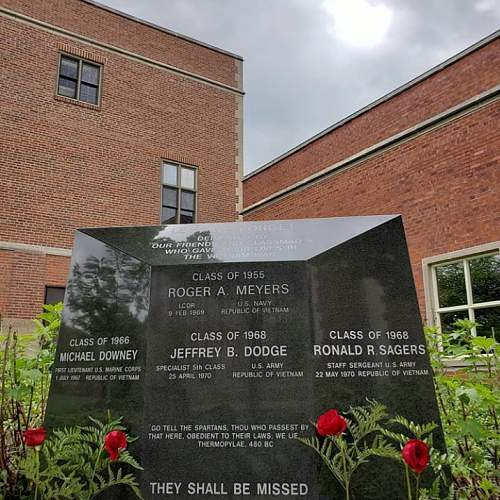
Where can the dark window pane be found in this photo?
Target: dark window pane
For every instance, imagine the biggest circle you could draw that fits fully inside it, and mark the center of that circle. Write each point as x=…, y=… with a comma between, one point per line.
x=187, y=200
x=485, y=277
x=54, y=294
x=88, y=93
x=447, y=319
x=490, y=322
x=168, y=215
x=90, y=73
x=69, y=67
x=170, y=197
x=451, y=285
x=67, y=88
x=187, y=217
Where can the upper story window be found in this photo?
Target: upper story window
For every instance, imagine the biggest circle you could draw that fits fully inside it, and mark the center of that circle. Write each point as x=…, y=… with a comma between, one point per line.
x=79, y=79
x=468, y=288
x=178, y=194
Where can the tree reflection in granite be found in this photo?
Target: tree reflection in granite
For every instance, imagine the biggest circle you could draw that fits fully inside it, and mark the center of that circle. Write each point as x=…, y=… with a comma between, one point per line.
x=105, y=317
x=107, y=293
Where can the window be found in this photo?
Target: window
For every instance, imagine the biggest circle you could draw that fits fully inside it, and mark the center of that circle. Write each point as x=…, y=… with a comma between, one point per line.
x=54, y=294
x=178, y=194
x=468, y=288
x=79, y=79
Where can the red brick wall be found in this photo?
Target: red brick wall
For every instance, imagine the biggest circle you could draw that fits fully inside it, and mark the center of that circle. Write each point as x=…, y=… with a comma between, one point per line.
x=104, y=26
x=65, y=165
x=445, y=183
x=5, y=279
x=56, y=270
x=467, y=77
x=23, y=278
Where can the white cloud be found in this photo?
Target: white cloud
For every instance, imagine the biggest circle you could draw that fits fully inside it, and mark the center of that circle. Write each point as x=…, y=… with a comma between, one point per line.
x=359, y=23
x=487, y=5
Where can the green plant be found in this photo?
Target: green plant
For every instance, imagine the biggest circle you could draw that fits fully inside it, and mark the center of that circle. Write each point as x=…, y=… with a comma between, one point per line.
x=469, y=402
x=407, y=433
x=72, y=464
x=25, y=363
x=344, y=453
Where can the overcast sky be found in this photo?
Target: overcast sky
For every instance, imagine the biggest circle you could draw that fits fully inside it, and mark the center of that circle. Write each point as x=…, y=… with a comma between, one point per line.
x=309, y=63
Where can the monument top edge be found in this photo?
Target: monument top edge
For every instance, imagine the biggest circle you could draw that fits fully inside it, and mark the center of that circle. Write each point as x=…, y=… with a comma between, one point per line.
x=376, y=219
x=253, y=241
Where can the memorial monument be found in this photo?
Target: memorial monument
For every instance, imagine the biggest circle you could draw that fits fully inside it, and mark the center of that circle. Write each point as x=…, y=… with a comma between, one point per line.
x=220, y=343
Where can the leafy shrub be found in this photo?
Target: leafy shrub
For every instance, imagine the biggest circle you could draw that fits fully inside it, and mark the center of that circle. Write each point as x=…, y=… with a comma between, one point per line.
x=343, y=452
x=71, y=464
x=406, y=433
x=25, y=363
x=369, y=433
x=469, y=402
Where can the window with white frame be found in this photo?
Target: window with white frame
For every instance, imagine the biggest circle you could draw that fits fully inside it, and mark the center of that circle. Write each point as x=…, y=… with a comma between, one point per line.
x=178, y=193
x=468, y=288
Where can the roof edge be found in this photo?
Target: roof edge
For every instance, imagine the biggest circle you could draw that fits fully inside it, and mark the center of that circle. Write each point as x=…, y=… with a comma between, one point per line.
x=162, y=29
x=398, y=90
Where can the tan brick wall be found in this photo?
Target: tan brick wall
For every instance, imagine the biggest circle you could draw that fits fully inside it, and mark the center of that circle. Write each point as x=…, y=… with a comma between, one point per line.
x=445, y=183
x=65, y=165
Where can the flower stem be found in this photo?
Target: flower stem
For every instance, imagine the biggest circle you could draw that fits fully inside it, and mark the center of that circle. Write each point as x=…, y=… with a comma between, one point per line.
x=37, y=476
x=408, y=483
x=346, y=480
x=417, y=495
x=91, y=480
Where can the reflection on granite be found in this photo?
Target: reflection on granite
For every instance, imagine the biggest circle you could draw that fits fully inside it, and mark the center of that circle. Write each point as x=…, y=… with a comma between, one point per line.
x=236, y=241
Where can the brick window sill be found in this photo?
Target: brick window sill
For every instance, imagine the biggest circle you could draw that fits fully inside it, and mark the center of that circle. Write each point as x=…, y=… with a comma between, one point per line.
x=95, y=107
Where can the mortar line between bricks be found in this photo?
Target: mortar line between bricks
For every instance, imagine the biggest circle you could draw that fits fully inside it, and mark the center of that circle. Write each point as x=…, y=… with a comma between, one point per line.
x=435, y=122
x=10, y=14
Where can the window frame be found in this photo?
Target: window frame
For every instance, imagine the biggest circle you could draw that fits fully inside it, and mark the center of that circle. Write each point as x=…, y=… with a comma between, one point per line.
x=429, y=265
x=179, y=188
x=80, y=61
x=47, y=287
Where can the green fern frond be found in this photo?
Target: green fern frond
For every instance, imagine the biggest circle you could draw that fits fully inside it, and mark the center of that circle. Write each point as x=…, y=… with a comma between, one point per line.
x=126, y=458
x=418, y=431
x=368, y=420
x=127, y=480
x=400, y=438
x=97, y=422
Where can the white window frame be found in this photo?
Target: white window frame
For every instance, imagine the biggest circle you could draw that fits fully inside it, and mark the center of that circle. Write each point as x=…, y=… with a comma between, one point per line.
x=179, y=188
x=430, y=282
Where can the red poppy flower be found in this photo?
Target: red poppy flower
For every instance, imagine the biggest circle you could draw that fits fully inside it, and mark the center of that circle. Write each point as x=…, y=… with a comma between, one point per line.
x=416, y=455
x=331, y=423
x=34, y=437
x=114, y=442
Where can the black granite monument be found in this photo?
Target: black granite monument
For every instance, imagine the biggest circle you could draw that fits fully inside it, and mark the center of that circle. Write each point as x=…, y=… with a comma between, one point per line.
x=219, y=343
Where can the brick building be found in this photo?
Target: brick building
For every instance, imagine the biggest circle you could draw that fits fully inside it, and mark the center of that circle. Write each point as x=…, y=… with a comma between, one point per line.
x=430, y=150
x=106, y=121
